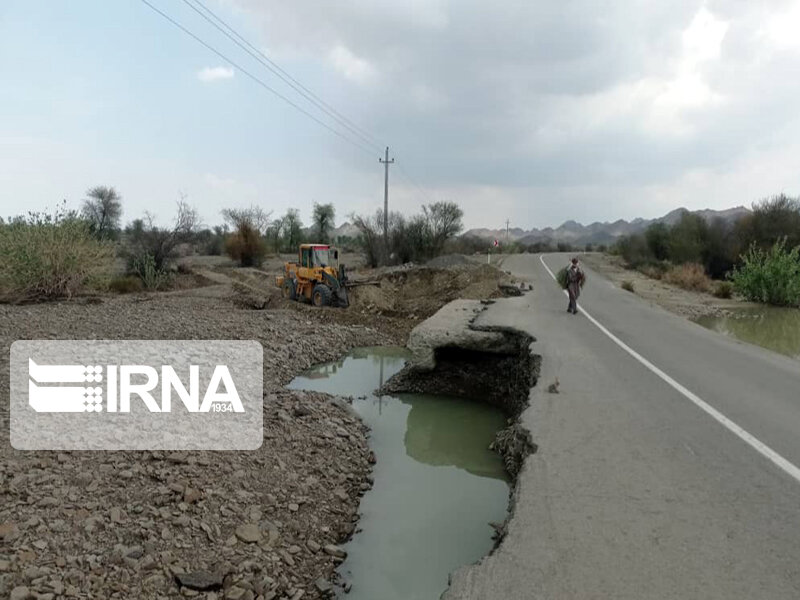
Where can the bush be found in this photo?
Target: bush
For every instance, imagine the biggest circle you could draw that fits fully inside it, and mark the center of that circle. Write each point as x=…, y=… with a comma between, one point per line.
x=46, y=256
x=418, y=238
x=627, y=285
x=653, y=271
x=246, y=245
x=147, y=242
x=723, y=289
x=771, y=276
x=126, y=284
x=690, y=276
x=148, y=271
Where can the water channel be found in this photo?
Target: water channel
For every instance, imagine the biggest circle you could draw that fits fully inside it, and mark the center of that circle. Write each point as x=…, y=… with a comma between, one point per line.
x=770, y=327
x=437, y=485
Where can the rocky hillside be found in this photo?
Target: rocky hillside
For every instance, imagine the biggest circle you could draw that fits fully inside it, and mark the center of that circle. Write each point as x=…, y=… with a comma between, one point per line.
x=600, y=233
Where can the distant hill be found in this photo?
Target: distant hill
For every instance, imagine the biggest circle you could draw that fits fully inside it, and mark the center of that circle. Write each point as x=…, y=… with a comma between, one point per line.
x=600, y=233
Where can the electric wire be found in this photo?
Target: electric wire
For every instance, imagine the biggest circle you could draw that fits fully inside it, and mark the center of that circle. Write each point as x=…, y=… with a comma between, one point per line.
x=267, y=62
x=257, y=80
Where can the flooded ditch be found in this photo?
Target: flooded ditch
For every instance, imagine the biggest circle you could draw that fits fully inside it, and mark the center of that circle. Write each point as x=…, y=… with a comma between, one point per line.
x=440, y=494
x=777, y=329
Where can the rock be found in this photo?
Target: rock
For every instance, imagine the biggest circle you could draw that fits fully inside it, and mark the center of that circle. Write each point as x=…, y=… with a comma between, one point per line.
x=293, y=549
x=323, y=586
x=200, y=580
x=334, y=550
x=8, y=531
x=235, y=593
x=293, y=507
x=191, y=495
x=313, y=546
x=116, y=515
x=301, y=411
x=248, y=532
x=21, y=593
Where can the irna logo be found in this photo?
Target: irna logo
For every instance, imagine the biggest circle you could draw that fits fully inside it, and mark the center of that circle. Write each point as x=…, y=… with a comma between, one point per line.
x=136, y=395
x=122, y=385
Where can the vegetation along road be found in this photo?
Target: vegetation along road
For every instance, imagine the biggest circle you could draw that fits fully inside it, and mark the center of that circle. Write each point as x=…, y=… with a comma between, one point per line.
x=666, y=464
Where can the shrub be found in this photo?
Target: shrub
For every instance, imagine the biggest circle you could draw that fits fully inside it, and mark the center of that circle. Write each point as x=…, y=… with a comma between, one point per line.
x=627, y=285
x=152, y=277
x=634, y=250
x=49, y=256
x=246, y=245
x=771, y=276
x=653, y=271
x=723, y=289
x=126, y=284
x=146, y=241
x=690, y=276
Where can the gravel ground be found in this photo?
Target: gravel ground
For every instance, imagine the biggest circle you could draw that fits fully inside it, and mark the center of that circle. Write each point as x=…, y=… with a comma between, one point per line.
x=238, y=525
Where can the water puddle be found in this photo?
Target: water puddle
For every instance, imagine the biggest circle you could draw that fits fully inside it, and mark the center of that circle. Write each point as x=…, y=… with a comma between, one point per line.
x=770, y=327
x=437, y=486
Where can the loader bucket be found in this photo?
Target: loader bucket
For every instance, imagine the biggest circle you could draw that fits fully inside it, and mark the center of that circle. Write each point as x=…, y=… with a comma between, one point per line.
x=341, y=297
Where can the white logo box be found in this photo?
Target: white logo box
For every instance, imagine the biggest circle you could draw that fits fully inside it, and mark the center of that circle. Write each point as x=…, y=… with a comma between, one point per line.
x=136, y=395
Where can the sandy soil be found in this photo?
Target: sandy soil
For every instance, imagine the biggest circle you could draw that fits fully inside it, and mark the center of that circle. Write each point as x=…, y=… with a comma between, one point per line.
x=674, y=299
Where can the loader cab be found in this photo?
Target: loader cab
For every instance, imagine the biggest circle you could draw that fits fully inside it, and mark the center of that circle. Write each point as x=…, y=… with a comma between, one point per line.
x=318, y=255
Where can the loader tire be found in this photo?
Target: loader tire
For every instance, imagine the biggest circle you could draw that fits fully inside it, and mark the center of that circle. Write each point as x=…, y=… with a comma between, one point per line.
x=289, y=289
x=321, y=295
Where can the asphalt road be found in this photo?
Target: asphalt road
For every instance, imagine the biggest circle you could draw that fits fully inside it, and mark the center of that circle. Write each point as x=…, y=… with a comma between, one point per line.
x=667, y=464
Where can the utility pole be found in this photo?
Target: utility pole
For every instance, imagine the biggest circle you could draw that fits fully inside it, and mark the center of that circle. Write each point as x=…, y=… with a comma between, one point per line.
x=386, y=164
x=507, y=222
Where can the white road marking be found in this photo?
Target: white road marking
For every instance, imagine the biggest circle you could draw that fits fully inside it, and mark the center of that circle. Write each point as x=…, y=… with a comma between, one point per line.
x=754, y=442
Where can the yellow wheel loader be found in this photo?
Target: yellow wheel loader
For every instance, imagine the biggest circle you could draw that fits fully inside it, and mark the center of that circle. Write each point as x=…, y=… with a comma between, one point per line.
x=317, y=277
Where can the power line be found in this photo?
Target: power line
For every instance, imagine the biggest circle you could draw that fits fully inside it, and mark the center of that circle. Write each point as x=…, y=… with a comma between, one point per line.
x=413, y=182
x=258, y=81
x=296, y=85
x=262, y=58
x=265, y=61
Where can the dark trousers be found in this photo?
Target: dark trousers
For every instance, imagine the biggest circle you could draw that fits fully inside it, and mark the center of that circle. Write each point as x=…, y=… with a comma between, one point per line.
x=573, y=302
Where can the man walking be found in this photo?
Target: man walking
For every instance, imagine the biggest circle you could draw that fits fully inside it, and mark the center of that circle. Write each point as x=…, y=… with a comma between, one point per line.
x=574, y=280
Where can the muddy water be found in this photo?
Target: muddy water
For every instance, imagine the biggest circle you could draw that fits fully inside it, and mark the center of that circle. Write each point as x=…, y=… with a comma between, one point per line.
x=437, y=486
x=770, y=327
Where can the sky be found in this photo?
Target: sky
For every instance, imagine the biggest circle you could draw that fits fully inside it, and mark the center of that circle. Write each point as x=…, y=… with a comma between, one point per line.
x=531, y=111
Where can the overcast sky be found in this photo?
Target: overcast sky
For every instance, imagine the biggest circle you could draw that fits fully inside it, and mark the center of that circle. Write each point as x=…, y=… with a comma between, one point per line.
x=535, y=111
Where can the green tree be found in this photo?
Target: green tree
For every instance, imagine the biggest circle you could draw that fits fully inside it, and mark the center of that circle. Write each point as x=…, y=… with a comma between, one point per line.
x=444, y=222
x=102, y=210
x=657, y=236
x=687, y=239
x=772, y=219
x=323, y=222
x=292, y=230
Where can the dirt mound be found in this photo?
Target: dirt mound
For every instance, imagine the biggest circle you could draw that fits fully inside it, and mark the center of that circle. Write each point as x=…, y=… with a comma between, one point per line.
x=421, y=291
x=449, y=260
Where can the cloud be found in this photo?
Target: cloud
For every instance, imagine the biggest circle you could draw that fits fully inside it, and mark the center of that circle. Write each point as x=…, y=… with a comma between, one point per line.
x=211, y=74
x=351, y=66
x=529, y=101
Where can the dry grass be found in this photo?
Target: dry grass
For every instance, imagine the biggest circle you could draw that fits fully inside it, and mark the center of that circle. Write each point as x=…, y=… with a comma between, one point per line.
x=690, y=276
x=723, y=289
x=126, y=284
x=652, y=271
